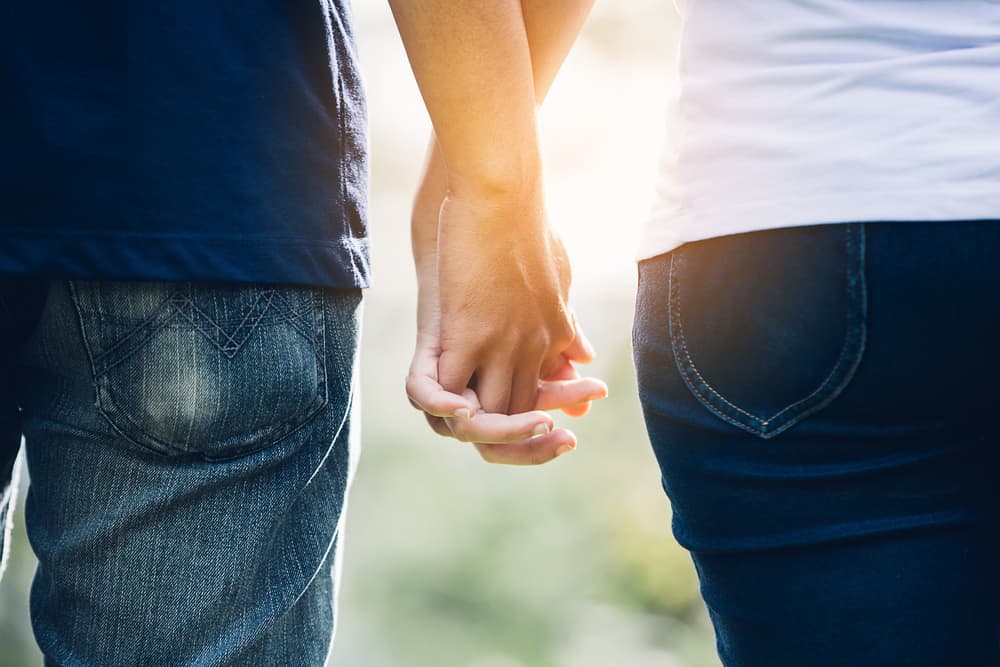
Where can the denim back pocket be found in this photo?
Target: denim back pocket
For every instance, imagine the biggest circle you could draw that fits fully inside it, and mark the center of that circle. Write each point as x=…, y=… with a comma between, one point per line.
x=768, y=328
x=211, y=370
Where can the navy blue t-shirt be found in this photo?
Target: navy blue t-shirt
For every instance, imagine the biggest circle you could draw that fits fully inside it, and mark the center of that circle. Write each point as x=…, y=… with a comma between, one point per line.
x=182, y=140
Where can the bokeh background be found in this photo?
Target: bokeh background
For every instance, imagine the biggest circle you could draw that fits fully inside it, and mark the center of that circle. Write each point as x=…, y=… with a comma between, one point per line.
x=454, y=563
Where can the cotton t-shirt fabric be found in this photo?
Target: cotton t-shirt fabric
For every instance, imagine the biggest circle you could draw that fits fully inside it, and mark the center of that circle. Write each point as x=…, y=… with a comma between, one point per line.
x=183, y=140
x=800, y=112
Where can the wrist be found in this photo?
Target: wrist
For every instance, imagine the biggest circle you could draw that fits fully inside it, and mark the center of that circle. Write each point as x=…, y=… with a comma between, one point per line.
x=508, y=171
x=512, y=197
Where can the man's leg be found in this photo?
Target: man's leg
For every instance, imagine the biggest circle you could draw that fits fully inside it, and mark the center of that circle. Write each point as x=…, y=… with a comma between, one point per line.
x=190, y=448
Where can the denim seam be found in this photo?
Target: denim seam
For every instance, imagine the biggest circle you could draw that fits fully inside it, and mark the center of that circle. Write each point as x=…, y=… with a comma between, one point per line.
x=148, y=327
x=98, y=403
x=75, y=297
x=680, y=348
x=270, y=434
x=843, y=367
x=855, y=267
x=288, y=314
x=297, y=320
x=226, y=343
x=674, y=290
x=294, y=423
x=110, y=411
x=321, y=345
x=179, y=304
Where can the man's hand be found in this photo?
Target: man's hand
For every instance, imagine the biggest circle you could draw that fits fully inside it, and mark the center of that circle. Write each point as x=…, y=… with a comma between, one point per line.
x=520, y=439
x=526, y=438
x=495, y=286
x=504, y=288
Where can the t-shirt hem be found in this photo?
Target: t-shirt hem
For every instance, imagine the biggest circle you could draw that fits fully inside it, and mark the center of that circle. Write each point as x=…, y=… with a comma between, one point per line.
x=340, y=263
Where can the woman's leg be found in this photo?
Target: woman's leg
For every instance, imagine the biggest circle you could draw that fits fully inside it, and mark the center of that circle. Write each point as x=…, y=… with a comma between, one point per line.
x=818, y=400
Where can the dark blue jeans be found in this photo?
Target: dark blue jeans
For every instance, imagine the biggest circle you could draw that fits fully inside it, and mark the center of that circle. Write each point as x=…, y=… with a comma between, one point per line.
x=190, y=448
x=820, y=402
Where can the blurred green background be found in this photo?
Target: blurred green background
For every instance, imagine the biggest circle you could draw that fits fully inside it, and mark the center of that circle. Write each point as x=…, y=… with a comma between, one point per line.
x=451, y=562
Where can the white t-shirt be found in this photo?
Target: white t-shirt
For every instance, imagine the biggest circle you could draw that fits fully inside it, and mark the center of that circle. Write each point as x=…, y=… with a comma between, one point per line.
x=799, y=112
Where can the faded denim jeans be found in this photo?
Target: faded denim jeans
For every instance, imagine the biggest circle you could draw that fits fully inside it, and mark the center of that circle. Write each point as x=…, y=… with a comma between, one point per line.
x=190, y=449
x=821, y=402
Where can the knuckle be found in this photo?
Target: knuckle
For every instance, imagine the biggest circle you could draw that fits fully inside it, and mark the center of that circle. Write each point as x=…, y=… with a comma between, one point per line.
x=412, y=385
x=565, y=331
x=559, y=333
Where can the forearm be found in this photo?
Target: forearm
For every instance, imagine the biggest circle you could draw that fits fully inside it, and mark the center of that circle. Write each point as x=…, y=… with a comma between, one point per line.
x=551, y=27
x=493, y=277
x=474, y=70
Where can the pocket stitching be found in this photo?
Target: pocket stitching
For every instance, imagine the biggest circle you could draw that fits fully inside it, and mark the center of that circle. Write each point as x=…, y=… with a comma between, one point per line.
x=108, y=407
x=682, y=349
x=185, y=306
x=150, y=326
x=296, y=319
x=276, y=432
x=855, y=336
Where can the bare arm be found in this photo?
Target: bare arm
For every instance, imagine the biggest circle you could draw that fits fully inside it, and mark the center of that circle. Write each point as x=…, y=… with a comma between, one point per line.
x=474, y=70
x=551, y=27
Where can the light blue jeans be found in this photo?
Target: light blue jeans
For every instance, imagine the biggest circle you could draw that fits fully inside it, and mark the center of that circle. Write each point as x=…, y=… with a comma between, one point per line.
x=190, y=448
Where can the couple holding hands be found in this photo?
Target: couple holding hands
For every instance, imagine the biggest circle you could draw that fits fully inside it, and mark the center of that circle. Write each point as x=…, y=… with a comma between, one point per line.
x=185, y=247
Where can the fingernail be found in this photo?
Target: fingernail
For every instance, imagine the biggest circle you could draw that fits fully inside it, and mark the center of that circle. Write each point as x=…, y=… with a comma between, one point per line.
x=463, y=413
x=565, y=448
x=541, y=429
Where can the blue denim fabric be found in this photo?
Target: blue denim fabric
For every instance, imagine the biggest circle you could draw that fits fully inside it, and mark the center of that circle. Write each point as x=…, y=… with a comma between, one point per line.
x=190, y=448
x=821, y=401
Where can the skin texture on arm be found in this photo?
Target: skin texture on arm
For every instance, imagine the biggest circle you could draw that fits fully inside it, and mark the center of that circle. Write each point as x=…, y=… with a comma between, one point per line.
x=551, y=26
x=499, y=438
x=503, y=276
x=473, y=65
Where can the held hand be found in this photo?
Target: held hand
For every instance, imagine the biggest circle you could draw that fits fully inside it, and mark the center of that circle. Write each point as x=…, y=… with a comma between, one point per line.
x=521, y=439
x=503, y=280
x=511, y=439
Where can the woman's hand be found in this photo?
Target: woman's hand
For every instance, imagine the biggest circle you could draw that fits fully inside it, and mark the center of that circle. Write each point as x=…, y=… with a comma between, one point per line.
x=524, y=438
x=527, y=438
